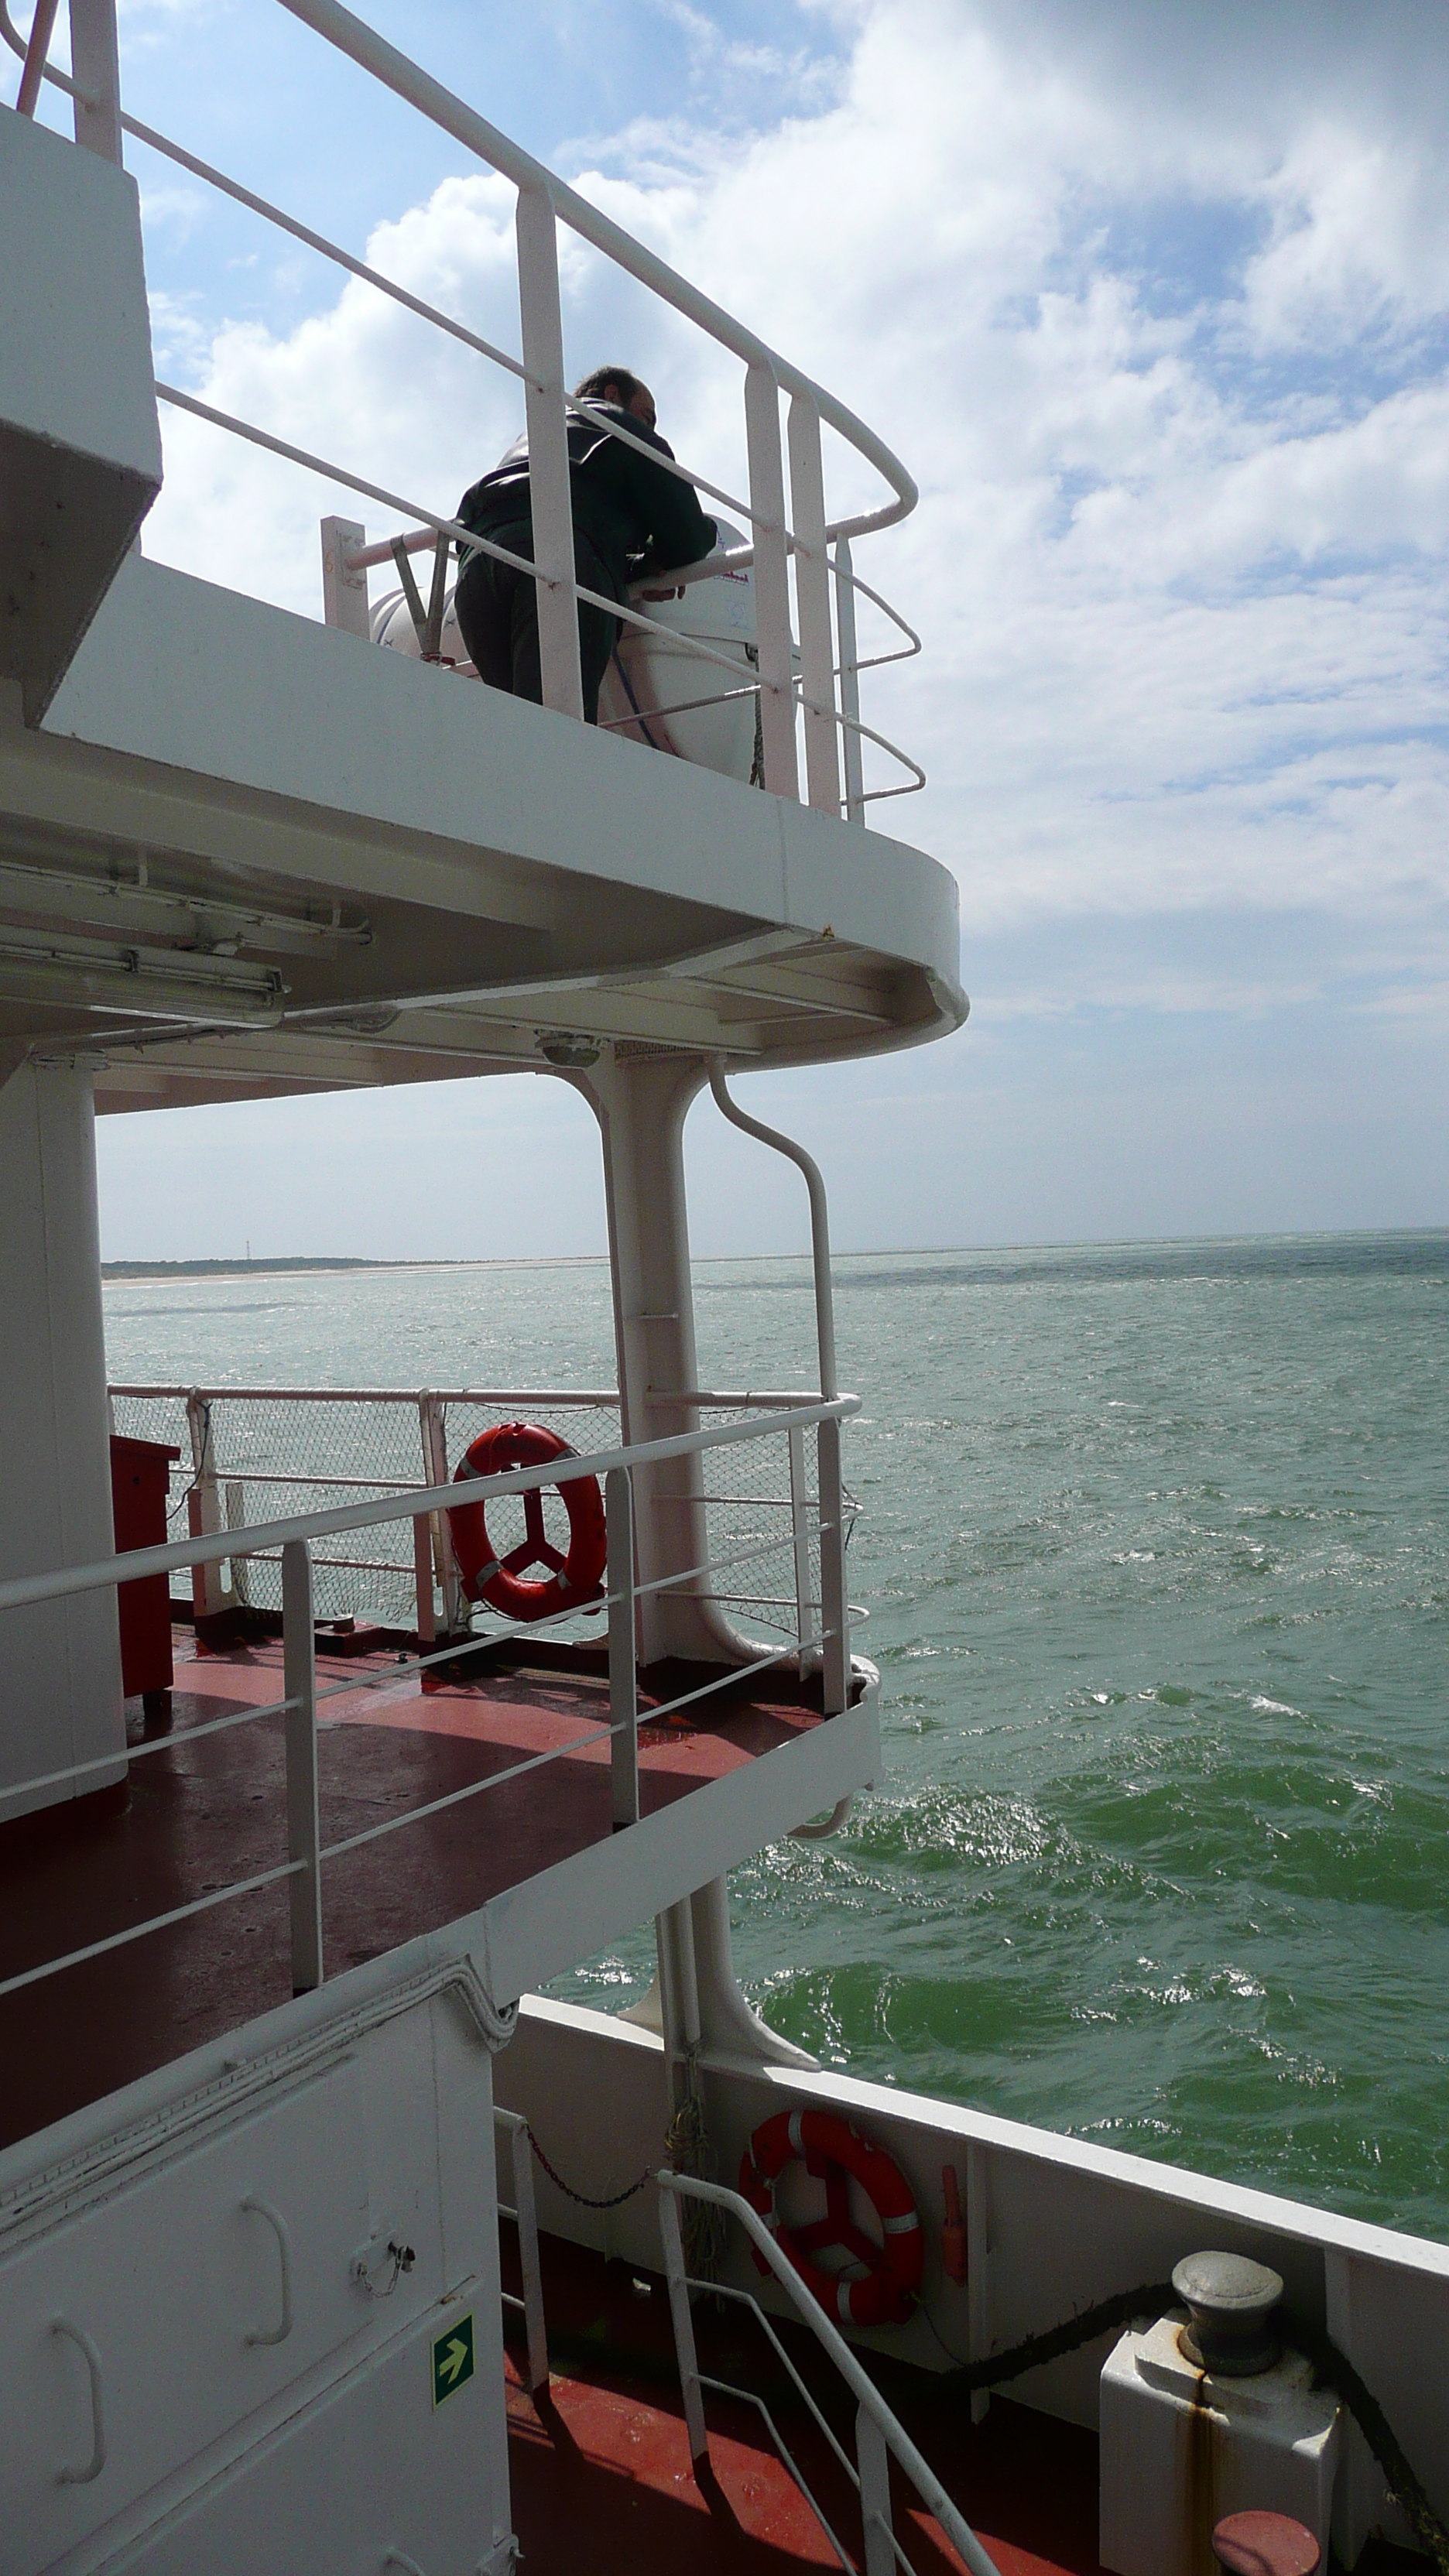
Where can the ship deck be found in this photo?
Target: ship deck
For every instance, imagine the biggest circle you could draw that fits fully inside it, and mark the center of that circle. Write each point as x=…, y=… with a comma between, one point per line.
x=197, y=1815
x=601, y=2472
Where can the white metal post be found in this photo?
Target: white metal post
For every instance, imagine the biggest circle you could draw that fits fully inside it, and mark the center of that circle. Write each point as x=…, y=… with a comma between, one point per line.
x=236, y=1518
x=203, y=1506
x=834, y=1613
x=807, y=1622
x=435, y=1470
x=37, y=47
x=849, y=682
x=623, y=1675
x=812, y=600
x=678, y=1997
x=299, y=1669
x=344, y=583
x=526, y=2219
x=423, y=1578
x=683, y=2324
x=772, y=581
x=96, y=65
x=548, y=451
x=873, y=2460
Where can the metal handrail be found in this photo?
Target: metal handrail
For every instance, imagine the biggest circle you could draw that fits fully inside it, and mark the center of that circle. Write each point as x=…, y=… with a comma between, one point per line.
x=307, y=1852
x=547, y=201
x=470, y=543
x=216, y=1547
x=873, y=2416
x=372, y=53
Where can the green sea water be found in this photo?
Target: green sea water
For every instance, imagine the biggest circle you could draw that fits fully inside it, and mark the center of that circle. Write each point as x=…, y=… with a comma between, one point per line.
x=1155, y=1547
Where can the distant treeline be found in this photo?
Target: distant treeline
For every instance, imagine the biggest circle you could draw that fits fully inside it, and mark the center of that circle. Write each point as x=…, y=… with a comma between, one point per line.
x=231, y=1269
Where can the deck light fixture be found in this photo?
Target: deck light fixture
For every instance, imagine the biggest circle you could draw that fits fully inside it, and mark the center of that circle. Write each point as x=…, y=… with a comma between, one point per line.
x=154, y=983
x=561, y=1047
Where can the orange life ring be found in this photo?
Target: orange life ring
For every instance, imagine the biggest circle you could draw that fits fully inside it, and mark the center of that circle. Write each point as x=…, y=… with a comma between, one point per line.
x=571, y=1580
x=833, y=2151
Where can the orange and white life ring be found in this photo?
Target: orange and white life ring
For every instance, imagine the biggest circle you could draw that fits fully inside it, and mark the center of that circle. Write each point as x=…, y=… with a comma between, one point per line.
x=883, y=2291
x=570, y=1580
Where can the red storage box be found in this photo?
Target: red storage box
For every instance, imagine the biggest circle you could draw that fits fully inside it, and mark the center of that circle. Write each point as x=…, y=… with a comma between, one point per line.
x=140, y=1484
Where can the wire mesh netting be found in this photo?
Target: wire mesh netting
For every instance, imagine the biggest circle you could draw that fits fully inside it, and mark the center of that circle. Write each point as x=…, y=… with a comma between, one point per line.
x=762, y=1516
x=250, y=1455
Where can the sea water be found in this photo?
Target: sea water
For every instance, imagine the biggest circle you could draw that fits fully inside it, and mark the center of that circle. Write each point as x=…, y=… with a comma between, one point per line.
x=1155, y=1548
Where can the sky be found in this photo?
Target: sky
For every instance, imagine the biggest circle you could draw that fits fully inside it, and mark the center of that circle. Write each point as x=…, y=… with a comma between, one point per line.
x=1152, y=301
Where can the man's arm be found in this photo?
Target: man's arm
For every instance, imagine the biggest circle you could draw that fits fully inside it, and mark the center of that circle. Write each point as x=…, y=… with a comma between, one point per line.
x=679, y=531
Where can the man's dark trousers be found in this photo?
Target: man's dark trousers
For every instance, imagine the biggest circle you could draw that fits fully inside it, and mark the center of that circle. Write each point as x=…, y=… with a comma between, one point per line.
x=498, y=614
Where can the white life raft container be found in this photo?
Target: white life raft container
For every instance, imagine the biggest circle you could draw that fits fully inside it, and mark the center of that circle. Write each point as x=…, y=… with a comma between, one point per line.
x=649, y=691
x=652, y=688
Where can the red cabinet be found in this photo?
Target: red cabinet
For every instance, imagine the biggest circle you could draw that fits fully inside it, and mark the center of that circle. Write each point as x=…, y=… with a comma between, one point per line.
x=140, y=1483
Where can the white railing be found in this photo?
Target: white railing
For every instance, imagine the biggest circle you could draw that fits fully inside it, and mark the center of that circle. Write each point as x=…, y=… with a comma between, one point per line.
x=825, y=692
x=300, y=1445
x=294, y=1537
x=879, y=2436
x=523, y=2211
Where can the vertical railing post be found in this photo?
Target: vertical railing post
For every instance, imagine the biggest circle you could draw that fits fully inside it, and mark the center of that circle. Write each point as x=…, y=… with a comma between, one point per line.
x=526, y=2220
x=550, y=498
x=96, y=67
x=423, y=1580
x=344, y=584
x=807, y=1620
x=812, y=600
x=849, y=682
x=683, y=2324
x=236, y=1518
x=435, y=1472
x=834, y=1612
x=203, y=1505
x=873, y=2461
x=299, y=1666
x=623, y=1673
x=772, y=581
x=37, y=46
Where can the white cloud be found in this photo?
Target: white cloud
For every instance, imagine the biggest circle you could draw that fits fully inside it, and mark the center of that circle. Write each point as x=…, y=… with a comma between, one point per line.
x=1164, y=346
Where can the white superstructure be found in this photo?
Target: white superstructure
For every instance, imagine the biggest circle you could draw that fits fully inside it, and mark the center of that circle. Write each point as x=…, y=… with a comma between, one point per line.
x=249, y=2284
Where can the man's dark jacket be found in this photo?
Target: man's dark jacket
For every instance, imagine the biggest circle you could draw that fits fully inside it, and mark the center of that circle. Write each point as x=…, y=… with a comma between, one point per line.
x=638, y=518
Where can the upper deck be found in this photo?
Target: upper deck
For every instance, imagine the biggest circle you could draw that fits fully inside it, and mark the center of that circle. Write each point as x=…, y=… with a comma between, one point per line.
x=245, y=852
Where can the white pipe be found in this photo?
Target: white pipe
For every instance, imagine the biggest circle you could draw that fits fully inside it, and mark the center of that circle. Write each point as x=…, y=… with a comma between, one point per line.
x=819, y=1218
x=838, y=1816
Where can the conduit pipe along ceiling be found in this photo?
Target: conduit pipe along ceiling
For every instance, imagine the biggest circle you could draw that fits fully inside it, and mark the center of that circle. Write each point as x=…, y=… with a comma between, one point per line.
x=215, y=924
x=155, y=983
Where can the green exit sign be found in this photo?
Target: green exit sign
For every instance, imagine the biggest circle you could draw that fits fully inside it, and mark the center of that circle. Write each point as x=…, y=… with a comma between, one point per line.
x=453, y=2360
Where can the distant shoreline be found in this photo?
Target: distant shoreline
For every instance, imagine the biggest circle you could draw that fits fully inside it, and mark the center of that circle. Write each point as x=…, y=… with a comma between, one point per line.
x=121, y=1270
x=301, y=1264
x=298, y=1264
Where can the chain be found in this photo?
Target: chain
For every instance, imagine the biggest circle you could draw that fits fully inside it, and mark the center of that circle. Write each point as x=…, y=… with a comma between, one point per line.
x=614, y=2201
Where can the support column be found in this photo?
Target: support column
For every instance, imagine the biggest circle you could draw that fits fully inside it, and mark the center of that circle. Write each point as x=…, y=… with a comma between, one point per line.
x=641, y=1104
x=60, y=1662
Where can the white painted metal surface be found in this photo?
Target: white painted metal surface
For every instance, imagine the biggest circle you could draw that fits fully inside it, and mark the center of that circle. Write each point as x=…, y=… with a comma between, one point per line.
x=233, y=2389
x=80, y=452
x=1180, y=2450
x=60, y=1666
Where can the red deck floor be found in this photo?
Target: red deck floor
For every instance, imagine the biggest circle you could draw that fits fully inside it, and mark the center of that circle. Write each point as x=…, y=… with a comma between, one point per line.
x=601, y=2470
x=195, y=1816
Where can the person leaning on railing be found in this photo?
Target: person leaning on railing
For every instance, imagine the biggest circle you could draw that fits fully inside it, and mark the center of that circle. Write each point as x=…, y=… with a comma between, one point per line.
x=631, y=518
